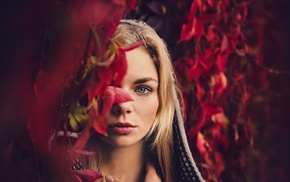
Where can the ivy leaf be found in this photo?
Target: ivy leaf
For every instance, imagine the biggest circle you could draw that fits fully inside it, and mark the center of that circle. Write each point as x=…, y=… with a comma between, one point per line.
x=187, y=30
x=212, y=3
x=222, y=60
x=130, y=4
x=113, y=69
x=97, y=82
x=211, y=33
x=119, y=65
x=194, y=28
x=201, y=144
x=82, y=140
x=119, y=2
x=73, y=123
x=107, y=101
x=196, y=70
x=121, y=95
x=193, y=10
x=78, y=117
x=98, y=122
x=84, y=152
x=210, y=110
x=201, y=64
x=87, y=175
x=218, y=82
x=195, y=25
x=200, y=92
x=111, y=96
x=100, y=125
x=77, y=178
x=224, y=43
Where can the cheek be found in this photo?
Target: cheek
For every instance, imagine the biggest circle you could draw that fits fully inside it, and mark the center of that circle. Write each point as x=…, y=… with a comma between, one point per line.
x=147, y=109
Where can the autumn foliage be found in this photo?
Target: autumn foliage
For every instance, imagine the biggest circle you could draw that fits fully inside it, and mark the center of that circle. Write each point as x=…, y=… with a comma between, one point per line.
x=70, y=65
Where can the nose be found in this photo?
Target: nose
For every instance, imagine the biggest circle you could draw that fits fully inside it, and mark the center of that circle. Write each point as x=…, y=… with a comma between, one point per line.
x=122, y=108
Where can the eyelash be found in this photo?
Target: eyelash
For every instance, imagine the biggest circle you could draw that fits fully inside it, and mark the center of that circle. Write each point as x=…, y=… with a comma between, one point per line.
x=147, y=90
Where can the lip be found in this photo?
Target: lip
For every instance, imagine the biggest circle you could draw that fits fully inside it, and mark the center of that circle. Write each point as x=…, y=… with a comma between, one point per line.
x=121, y=128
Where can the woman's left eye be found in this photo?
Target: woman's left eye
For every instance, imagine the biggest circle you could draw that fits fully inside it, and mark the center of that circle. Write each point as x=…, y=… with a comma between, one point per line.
x=143, y=90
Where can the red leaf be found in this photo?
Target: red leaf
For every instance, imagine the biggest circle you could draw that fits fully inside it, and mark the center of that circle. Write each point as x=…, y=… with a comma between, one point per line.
x=120, y=95
x=116, y=71
x=130, y=4
x=224, y=5
x=78, y=179
x=100, y=126
x=134, y=46
x=98, y=122
x=194, y=28
x=87, y=175
x=195, y=71
x=194, y=130
x=216, y=130
x=211, y=33
x=219, y=118
x=98, y=81
x=193, y=10
x=224, y=43
x=212, y=3
x=201, y=144
x=222, y=60
x=201, y=64
x=119, y=65
x=111, y=96
x=200, y=92
x=84, y=152
x=218, y=82
x=108, y=15
x=243, y=10
x=198, y=28
x=204, y=113
x=201, y=5
x=107, y=101
x=212, y=110
x=103, y=76
x=119, y=2
x=82, y=140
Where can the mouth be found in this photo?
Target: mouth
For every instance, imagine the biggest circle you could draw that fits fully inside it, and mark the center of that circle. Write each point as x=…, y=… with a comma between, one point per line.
x=121, y=128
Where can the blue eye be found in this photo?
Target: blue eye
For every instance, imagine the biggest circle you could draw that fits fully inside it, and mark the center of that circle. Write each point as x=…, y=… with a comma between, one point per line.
x=143, y=90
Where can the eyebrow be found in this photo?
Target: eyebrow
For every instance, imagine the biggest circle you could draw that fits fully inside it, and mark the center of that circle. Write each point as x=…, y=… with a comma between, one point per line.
x=146, y=79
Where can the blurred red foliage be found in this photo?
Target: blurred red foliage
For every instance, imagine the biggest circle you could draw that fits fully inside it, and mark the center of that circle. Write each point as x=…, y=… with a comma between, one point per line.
x=231, y=58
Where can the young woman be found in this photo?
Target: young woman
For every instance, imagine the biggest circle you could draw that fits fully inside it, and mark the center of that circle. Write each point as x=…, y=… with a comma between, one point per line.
x=146, y=139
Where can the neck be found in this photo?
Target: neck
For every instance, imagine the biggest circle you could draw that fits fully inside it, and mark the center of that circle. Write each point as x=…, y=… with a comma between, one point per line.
x=124, y=163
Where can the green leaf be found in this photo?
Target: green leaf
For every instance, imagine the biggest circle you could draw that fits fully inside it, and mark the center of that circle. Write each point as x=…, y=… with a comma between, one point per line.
x=73, y=123
x=78, y=117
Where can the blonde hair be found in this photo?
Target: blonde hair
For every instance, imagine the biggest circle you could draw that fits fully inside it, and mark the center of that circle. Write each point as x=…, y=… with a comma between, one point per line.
x=161, y=133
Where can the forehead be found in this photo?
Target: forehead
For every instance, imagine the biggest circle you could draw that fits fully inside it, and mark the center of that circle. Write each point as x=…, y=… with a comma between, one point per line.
x=140, y=64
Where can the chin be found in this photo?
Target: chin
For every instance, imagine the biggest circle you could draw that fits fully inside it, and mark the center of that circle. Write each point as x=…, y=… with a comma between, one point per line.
x=122, y=141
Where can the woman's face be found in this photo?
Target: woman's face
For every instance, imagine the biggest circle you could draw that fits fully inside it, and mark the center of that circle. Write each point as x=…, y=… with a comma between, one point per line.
x=129, y=122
